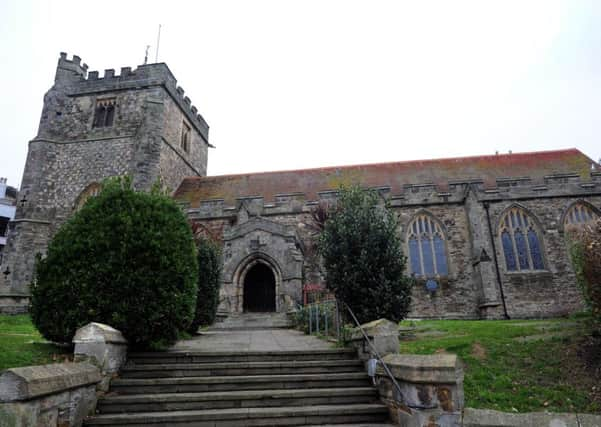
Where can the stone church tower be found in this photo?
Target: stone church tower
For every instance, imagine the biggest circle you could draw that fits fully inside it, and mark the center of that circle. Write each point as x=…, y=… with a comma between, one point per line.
x=137, y=123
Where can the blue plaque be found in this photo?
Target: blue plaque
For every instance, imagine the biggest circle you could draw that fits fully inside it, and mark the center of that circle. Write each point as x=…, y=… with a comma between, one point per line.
x=431, y=285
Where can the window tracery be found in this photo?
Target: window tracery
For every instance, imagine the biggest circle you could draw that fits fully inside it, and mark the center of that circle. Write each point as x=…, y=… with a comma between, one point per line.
x=520, y=241
x=579, y=214
x=427, y=247
x=104, y=113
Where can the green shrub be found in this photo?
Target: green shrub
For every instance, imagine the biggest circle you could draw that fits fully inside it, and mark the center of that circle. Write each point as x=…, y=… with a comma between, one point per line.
x=126, y=259
x=586, y=258
x=209, y=272
x=362, y=257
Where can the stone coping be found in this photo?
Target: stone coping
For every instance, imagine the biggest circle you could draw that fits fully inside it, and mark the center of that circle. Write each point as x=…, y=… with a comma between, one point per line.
x=490, y=418
x=428, y=369
x=380, y=327
x=29, y=382
x=98, y=332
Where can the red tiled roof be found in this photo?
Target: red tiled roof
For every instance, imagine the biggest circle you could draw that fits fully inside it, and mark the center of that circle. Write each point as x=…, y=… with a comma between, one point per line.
x=535, y=165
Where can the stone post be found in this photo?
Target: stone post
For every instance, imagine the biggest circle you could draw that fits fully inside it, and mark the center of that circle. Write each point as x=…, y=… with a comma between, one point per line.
x=383, y=334
x=103, y=346
x=431, y=389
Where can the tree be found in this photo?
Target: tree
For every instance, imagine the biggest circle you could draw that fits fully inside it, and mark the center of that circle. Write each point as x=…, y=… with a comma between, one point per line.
x=209, y=272
x=362, y=256
x=126, y=259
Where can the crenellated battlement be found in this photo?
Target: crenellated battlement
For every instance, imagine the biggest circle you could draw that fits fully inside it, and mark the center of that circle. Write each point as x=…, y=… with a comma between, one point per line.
x=519, y=188
x=73, y=77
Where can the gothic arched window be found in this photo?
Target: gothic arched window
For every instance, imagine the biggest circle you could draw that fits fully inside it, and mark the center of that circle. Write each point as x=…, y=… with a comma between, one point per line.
x=578, y=214
x=90, y=191
x=427, y=247
x=520, y=241
x=104, y=113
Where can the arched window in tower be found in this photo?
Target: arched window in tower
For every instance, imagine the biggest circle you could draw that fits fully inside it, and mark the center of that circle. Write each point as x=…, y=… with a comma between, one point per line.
x=90, y=191
x=520, y=241
x=104, y=113
x=427, y=247
x=578, y=214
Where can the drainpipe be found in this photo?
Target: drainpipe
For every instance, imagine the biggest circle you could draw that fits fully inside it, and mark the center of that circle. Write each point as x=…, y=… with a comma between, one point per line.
x=496, y=261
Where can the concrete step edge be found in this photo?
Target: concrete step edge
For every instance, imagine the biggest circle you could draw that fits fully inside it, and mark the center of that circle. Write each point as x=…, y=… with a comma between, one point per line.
x=241, y=379
x=239, y=413
x=239, y=365
x=172, y=353
x=237, y=395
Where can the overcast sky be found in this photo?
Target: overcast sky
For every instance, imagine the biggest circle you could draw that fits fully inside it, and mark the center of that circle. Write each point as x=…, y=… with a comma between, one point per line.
x=295, y=84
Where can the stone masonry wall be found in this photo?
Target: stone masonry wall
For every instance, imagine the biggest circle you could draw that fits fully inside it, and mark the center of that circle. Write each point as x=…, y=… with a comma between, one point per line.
x=471, y=283
x=552, y=292
x=175, y=163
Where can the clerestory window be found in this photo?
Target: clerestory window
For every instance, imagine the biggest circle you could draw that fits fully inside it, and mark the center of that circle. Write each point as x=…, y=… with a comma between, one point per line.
x=520, y=241
x=104, y=114
x=427, y=247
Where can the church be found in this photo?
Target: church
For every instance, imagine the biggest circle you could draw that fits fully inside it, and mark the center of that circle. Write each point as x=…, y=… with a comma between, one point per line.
x=485, y=236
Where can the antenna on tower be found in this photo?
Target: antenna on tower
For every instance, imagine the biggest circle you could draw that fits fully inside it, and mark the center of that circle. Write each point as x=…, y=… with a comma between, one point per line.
x=146, y=54
x=156, y=59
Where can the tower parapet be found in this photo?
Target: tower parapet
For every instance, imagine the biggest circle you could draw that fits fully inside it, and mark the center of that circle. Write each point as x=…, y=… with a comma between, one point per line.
x=74, y=76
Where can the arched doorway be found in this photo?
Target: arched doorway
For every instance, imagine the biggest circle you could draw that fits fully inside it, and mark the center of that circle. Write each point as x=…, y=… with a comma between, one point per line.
x=259, y=289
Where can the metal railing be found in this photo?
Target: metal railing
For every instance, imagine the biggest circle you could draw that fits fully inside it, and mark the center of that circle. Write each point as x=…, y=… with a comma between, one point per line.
x=325, y=318
x=321, y=318
x=399, y=396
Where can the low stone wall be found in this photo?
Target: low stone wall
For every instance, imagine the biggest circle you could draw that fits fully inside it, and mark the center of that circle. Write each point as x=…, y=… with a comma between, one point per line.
x=60, y=394
x=63, y=394
x=488, y=418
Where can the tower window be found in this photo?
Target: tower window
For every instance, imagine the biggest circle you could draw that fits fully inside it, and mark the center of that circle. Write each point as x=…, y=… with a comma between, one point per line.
x=104, y=113
x=4, y=226
x=185, y=142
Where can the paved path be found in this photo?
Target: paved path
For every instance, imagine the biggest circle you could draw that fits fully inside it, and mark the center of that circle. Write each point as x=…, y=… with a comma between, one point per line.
x=252, y=340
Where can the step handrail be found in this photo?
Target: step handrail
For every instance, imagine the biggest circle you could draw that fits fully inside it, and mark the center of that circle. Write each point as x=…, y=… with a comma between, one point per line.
x=375, y=352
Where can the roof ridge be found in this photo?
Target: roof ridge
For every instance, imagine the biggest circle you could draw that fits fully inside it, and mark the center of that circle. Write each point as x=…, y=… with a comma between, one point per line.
x=400, y=162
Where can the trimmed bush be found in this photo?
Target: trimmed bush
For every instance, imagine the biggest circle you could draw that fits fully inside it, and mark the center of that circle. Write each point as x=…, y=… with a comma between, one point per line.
x=363, y=261
x=126, y=259
x=209, y=272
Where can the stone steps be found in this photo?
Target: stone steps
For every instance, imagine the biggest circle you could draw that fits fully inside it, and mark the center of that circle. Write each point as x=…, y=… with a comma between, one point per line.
x=241, y=389
x=236, y=399
x=249, y=356
x=254, y=382
x=253, y=321
x=271, y=416
x=240, y=368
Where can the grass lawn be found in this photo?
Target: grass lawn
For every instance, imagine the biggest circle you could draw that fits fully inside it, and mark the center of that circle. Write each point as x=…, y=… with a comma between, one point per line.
x=21, y=344
x=516, y=365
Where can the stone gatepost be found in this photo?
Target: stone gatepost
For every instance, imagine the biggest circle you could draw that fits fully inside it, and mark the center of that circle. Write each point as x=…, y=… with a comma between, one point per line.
x=103, y=346
x=431, y=389
x=383, y=335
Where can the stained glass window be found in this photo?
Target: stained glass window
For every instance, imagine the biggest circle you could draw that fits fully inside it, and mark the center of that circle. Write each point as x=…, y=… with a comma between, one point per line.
x=520, y=241
x=427, y=247
x=578, y=214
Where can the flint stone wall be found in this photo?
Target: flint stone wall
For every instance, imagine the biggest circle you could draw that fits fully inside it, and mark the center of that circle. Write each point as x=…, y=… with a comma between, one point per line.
x=69, y=153
x=471, y=290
